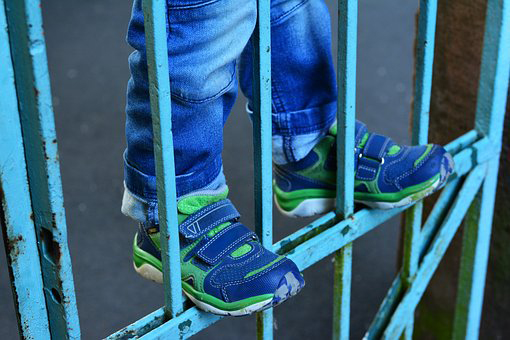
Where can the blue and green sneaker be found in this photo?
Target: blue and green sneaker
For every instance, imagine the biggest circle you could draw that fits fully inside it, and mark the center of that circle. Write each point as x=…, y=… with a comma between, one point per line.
x=387, y=175
x=225, y=270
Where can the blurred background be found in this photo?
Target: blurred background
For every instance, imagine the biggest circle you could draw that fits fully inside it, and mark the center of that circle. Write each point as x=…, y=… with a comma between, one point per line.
x=87, y=56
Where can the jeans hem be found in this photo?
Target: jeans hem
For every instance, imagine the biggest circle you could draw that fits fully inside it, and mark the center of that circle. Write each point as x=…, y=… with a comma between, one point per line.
x=144, y=185
x=304, y=121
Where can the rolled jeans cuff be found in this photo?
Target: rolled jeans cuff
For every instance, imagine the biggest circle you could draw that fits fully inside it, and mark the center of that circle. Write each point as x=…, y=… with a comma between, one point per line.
x=145, y=211
x=144, y=185
x=296, y=133
x=306, y=121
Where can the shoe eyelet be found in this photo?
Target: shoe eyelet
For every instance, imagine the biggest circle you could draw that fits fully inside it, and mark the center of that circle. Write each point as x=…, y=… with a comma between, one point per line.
x=361, y=156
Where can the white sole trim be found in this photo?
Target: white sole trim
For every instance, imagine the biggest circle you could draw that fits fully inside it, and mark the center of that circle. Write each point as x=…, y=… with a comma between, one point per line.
x=150, y=272
x=239, y=312
x=403, y=202
x=309, y=207
x=319, y=206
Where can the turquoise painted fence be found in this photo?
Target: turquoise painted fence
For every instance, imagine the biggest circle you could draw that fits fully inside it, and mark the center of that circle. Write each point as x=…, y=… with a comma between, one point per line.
x=33, y=217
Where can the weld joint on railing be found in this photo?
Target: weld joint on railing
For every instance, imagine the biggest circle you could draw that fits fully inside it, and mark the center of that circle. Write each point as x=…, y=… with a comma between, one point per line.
x=478, y=157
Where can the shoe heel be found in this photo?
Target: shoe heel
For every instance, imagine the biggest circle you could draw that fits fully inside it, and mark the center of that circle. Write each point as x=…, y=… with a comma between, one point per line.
x=309, y=207
x=149, y=272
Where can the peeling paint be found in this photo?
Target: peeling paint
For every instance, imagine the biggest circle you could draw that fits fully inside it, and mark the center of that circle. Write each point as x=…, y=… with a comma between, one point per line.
x=53, y=220
x=184, y=326
x=12, y=247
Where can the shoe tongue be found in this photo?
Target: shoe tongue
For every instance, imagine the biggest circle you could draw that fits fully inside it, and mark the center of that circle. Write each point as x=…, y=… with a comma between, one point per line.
x=190, y=204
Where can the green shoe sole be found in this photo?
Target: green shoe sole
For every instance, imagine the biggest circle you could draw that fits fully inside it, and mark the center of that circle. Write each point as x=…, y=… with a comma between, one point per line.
x=310, y=202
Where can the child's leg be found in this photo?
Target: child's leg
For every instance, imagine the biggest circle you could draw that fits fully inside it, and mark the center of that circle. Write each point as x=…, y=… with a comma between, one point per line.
x=303, y=78
x=225, y=270
x=387, y=175
x=204, y=43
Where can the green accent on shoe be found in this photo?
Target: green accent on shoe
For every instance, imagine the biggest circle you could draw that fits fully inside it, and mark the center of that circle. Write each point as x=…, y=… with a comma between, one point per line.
x=395, y=196
x=363, y=140
x=141, y=257
x=156, y=239
x=333, y=129
x=317, y=171
x=244, y=249
x=393, y=150
x=371, y=185
x=217, y=229
x=188, y=269
x=191, y=204
x=288, y=201
x=253, y=272
x=427, y=151
x=226, y=306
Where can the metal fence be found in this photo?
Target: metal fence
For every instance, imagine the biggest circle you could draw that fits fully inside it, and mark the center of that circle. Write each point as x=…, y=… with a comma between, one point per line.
x=33, y=217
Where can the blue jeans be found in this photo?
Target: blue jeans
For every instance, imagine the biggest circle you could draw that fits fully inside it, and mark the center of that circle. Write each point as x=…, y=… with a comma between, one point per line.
x=208, y=44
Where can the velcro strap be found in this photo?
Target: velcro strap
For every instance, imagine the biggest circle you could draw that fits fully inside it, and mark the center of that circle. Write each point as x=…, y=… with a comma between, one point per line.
x=208, y=218
x=376, y=146
x=224, y=242
x=367, y=169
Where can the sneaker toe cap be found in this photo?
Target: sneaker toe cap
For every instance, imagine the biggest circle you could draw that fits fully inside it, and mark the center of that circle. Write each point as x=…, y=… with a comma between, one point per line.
x=281, y=279
x=437, y=162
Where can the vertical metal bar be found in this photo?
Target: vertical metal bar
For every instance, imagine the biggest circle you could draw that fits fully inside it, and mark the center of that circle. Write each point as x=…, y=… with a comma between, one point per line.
x=411, y=243
x=346, y=110
x=159, y=87
x=262, y=137
x=420, y=123
x=490, y=112
x=342, y=292
x=475, y=253
x=493, y=83
x=37, y=121
x=424, y=64
x=346, y=117
x=16, y=216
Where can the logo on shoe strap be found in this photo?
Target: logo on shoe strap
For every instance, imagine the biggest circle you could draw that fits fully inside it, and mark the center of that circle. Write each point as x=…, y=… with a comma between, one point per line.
x=194, y=228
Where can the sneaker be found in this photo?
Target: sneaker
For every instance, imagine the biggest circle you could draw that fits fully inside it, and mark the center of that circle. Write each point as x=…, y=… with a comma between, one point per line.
x=225, y=270
x=387, y=175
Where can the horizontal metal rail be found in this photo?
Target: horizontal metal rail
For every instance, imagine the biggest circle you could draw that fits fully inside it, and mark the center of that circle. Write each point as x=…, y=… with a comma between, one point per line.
x=324, y=237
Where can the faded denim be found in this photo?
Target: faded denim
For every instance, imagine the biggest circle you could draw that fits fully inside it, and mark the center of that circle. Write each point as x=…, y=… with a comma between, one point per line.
x=208, y=47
